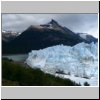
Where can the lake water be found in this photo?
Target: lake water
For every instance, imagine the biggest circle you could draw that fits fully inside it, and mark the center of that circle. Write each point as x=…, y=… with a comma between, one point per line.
x=17, y=57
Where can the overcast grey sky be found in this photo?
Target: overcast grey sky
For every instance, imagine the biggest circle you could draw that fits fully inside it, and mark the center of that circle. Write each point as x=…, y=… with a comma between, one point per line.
x=79, y=23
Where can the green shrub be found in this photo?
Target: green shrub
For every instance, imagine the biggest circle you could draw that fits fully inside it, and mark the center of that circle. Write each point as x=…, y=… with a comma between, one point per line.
x=18, y=74
x=86, y=84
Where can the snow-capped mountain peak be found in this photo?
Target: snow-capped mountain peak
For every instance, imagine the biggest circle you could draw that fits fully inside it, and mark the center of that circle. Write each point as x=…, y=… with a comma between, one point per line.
x=83, y=35
x=9, y=35
x=52, y=25
x=53, y=22
x=87, y=37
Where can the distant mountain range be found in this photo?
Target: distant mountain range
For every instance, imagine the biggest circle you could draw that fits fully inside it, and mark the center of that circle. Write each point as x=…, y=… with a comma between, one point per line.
x=41, y=36
x=87, y=37
x=7, y=36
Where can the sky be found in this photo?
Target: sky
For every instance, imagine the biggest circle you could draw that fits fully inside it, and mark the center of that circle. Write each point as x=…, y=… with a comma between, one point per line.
x=78, y=23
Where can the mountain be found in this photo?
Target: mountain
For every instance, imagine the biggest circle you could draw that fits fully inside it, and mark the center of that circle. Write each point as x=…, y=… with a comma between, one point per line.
x=41, y=36
x=80, y=60
x=7, y=36
x=87, y=37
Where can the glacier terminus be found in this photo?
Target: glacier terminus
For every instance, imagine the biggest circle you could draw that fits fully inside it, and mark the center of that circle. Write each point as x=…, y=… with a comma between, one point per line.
x=75, y=62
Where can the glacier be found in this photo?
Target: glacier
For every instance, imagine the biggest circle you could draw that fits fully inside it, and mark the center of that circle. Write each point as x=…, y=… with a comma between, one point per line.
x=79, y=61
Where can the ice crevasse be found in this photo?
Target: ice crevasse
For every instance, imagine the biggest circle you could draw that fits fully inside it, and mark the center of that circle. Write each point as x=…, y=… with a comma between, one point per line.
x=80, y=60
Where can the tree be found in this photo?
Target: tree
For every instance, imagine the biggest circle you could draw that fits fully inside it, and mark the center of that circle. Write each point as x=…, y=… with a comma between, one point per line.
x=86, y=84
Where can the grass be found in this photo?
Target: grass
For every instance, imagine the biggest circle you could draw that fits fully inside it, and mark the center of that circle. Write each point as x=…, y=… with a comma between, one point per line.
x=14, y=74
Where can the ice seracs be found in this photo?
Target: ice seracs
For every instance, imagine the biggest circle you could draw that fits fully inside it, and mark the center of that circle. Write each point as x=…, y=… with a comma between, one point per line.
x=80, y=60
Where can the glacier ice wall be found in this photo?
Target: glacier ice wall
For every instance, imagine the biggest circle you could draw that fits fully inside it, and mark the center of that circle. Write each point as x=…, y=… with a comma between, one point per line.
x=80, y=60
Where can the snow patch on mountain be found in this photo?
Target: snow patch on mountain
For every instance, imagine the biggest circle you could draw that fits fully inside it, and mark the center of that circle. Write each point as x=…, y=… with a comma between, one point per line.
x=83, y=35
x=80, y=60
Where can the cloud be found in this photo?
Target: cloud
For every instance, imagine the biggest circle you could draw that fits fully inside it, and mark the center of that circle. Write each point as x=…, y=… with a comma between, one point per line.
x=79, y=23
